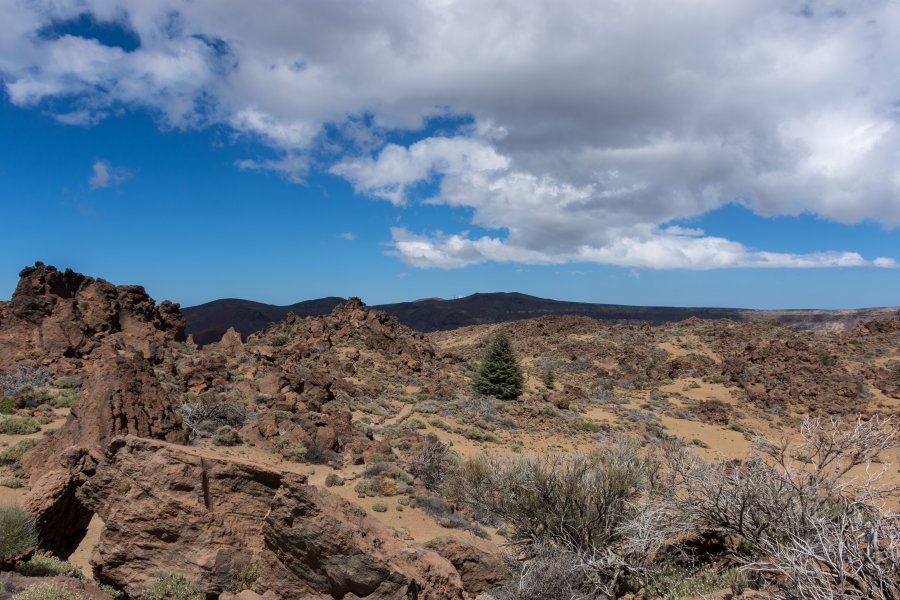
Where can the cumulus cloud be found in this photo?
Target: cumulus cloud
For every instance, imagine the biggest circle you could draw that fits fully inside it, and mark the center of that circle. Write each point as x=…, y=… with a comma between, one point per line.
x=347, y=236
x=104, y=175
x=593, y=125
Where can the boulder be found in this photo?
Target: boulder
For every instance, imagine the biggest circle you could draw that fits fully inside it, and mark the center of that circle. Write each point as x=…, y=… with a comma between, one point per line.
x=170, y=508
x=480, y=564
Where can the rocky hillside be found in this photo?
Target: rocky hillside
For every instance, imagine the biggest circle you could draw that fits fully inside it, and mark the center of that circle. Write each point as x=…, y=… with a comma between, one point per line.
x=317, y=457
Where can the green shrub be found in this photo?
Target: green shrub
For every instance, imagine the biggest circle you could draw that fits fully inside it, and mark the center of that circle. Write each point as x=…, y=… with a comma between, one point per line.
x=7, y=406
x=379, y=507
x=364, y=487
x=170, y=586
x=699, y=443
x=11, y=482
x=43, y=591
x=18, y=531
x=226, y=436
x=297, y=453
x=279, y=339
x=673, y=583
x=283, y=415
x=12, y=454
x=19, y=426
x=44, y=565
x=245, y=577
x=378, y=457
x=67, y=399
x=110, y=591
x=403, y=500
x=589, y=426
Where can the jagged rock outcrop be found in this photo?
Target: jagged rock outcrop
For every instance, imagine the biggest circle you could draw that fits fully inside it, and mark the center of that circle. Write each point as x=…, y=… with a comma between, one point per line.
x=121, y=396
x=62, y=314
x=179, y=509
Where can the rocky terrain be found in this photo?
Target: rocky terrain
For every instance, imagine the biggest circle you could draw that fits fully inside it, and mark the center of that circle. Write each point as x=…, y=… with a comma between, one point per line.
x=309, y=459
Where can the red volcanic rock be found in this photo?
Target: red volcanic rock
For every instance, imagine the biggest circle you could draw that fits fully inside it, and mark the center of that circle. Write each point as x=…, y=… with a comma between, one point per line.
x=62, y=314
x=203, y=516
x=480, y=565
x=121, y=396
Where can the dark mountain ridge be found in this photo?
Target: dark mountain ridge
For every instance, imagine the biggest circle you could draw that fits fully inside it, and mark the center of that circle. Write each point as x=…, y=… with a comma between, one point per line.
x=208, y=322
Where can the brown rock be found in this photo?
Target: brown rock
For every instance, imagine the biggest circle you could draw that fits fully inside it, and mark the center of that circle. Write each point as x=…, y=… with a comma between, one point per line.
x=202, y=516
x=323, y=547
x=120, y=397
x=61, y=519
x=480, y=565
x=57, y=315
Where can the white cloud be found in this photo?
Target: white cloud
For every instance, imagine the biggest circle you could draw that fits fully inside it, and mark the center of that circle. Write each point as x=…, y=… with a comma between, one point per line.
x=104, y=175
x=594, y=123
x=348, y=236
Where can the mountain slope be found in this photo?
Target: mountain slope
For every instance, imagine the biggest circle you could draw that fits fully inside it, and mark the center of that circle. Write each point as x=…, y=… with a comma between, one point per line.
x=209, y=321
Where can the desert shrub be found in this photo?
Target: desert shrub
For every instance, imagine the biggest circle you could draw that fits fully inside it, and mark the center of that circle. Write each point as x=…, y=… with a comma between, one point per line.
x=296, y=453
x=379, y=507
x=208, y=412
x=18, y=533
x=364, y=487
x=226, y=436
x=550, y=573
x=279, y=339
x=379, y=457
x=7, y=406
x=66, y=399
x=14, y=425
x=44, y=591
x=500, y=375
x=11, y=481
x=821, y=533
x=110, y=591
x=12, y=454
x=433, y=463
x=245, y=577
x=674, y=583
x=578, y=500
x=439, y=509
x=171, y=586
x=45, y=565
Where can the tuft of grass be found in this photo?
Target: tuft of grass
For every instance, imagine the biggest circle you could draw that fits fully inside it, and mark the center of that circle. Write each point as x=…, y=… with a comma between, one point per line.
x=19, y=426
x=226, y=436
x=589, y=426
x=172, y=586
x=18, y=531
x=14, y=453
x=245, y=577
x=7, y=406
x=45, y=565
x=674, y=583
x=12, y=482
x=44, y=591
x=700, y=443
x=296, y=453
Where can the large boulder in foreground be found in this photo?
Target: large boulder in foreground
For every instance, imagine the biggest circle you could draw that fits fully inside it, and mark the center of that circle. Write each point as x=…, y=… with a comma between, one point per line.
x=170, y=508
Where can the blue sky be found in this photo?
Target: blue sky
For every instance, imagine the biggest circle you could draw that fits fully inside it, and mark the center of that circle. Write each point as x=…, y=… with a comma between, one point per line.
x=439, y=150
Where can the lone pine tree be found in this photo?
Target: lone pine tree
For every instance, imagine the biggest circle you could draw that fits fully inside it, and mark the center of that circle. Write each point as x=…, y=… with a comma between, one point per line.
x=500, y=375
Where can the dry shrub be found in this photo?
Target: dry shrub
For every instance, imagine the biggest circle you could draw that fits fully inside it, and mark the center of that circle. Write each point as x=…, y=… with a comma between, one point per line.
x=803, y=517
x=433, y=463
